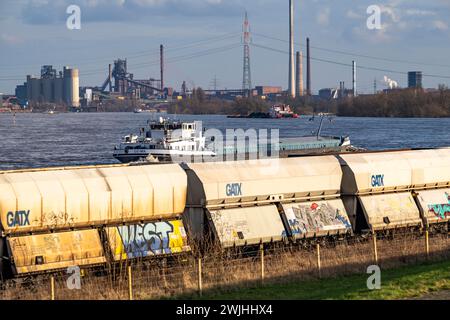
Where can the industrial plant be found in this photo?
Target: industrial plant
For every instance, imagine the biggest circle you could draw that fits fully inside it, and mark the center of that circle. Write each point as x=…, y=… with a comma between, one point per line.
x=52, y=87
x=120, y=86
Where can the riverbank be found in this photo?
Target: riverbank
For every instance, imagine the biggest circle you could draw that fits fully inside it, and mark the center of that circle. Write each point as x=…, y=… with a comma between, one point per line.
x=425, y=281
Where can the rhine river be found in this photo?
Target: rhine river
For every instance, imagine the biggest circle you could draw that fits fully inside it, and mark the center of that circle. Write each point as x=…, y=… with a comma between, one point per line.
x=42, y=140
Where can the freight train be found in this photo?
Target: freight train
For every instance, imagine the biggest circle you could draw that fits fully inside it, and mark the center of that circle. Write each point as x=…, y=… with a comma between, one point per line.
x=52, y=219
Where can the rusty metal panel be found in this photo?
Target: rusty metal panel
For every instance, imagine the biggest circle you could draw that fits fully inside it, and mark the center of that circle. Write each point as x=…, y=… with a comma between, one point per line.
x=248, y=226
x=310, y=219
x=148, y=239
x=55, y=251
x=435, y=205
x=389, y=211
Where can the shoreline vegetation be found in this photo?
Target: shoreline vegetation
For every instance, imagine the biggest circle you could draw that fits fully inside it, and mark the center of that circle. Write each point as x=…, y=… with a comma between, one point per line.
x=401, y=103
x=406, y=103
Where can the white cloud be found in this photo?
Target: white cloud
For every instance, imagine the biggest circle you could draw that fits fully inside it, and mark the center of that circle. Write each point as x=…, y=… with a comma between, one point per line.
x=353, y=15
x=440, y=25
x=419, y=12
x=323, y=17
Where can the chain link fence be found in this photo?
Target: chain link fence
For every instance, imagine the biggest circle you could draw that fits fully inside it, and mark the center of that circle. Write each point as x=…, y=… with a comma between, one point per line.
x=189, y=277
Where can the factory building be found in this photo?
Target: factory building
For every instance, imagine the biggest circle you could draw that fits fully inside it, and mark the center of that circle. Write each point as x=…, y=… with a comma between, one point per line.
x=51, y=87
x=267, y=90
x=415, y=79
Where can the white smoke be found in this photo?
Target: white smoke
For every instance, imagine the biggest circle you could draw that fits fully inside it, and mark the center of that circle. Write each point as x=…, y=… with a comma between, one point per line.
x=390, y=83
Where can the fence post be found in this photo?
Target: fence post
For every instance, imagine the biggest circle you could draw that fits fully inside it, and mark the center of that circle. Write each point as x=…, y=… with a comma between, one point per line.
x=200, y=283
x=164, y=267
x=375, y=250
x=130, y=284
x=427, y=243
x=52, y=287
x=261, y=252
x=319, y=263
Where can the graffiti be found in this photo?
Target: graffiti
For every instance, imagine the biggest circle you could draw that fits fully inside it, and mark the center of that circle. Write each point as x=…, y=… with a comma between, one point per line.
x=151, y=239
x=377, y=180
x=442, y=211
x=234, y=189
x=314, y=217
x=18, y=219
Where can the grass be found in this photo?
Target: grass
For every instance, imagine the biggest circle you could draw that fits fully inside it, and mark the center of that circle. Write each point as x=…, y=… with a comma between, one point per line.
x=402, y=283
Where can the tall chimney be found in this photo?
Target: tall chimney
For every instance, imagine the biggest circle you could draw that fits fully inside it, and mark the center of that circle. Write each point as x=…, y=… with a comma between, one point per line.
x=162, y=67
x=354, y=78
x=302, y=85
x=298, y=91
x=110, y=78
x=291, y=50
x=308, y=68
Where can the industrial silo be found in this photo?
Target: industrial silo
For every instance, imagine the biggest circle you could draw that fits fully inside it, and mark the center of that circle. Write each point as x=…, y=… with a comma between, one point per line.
x=71, y=87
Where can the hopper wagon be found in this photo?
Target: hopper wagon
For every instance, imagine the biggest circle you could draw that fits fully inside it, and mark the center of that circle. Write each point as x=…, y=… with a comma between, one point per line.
x=52, y=219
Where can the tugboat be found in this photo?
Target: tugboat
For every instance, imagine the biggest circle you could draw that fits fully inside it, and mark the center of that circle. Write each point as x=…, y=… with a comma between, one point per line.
x=280, y=111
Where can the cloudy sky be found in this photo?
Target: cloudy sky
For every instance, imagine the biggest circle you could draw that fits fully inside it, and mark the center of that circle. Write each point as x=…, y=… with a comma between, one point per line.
x=203, y=40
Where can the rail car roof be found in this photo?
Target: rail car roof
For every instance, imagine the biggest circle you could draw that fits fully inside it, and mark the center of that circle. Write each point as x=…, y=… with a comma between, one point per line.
x=259, y=179
x=383, y=171
x=80, y=197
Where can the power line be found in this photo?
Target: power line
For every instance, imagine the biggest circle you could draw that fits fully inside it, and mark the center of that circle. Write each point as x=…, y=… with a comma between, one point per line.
x=176, y=59
x=349, y=65
x=152, y=52
x=356, y=54
x=151, y=63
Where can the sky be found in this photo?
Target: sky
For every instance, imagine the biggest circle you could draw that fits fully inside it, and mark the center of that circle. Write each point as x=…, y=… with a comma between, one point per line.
x=203, y=40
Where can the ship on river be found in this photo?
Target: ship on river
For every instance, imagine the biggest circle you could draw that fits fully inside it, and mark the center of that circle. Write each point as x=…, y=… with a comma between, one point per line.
x=278, y=111
x=167, y=141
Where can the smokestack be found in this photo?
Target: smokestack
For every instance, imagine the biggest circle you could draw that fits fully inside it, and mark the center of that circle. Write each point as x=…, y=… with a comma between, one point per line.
x=302, y=86
x=298, y=75
x=291, y=50
x=110, y=78
x=162, y=66
x=308, y=68
x=354, y=78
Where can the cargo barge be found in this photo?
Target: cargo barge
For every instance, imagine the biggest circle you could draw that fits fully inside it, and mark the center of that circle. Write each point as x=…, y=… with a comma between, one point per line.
x=169, y=141
x=278, y=111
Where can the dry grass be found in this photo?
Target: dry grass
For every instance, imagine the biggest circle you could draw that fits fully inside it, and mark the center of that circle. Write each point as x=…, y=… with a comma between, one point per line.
x=174, y=278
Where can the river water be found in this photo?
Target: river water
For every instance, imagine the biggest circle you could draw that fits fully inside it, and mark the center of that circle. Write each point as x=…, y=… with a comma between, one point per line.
x=41, y=140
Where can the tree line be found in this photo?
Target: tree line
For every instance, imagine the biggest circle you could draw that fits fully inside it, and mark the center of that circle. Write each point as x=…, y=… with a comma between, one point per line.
x=394, y=103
